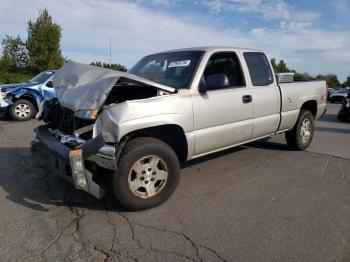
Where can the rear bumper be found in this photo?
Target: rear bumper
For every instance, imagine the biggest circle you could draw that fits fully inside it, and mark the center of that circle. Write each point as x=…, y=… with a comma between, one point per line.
x=57, y=157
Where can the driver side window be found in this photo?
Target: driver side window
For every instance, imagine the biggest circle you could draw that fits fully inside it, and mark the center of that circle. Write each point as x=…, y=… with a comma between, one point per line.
x=226, y=63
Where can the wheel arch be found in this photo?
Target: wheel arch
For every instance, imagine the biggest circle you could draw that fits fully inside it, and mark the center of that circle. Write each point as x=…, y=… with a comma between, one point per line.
x=30, y=98
x=171, y=134
x=310, y=105
x=33, y=96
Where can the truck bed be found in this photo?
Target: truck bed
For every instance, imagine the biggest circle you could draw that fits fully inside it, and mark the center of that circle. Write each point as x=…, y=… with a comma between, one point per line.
x=294, y=95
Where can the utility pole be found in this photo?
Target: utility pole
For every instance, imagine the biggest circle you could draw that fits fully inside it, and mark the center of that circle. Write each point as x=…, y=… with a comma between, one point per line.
x=110, y=50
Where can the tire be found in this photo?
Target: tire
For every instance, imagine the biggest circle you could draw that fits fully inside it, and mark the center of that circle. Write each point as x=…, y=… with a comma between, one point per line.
x=145, y=160
x=300, y=137
x=22, y=110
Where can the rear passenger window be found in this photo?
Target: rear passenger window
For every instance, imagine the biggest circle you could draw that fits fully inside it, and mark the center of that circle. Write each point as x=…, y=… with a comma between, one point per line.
x=259, y=68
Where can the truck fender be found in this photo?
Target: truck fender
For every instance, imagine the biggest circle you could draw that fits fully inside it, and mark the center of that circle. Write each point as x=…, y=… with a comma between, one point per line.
x=113, y=130
x=163, y=127
x=147, y=122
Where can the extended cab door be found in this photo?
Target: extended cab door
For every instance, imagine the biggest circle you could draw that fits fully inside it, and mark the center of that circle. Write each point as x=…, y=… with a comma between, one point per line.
x=222, y=117
x=265, y=94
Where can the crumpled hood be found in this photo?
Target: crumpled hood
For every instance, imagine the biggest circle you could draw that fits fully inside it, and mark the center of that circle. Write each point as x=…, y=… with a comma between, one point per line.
x=13, y=87
x=79, y=86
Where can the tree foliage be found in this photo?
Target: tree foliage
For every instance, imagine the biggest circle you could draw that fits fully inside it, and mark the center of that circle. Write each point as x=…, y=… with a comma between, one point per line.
x=117, y=67
x=21, y=60
x=346, y=82
x=331, y=80
x=281, y=67
x=43, y=44
x=273, y=63
x=14, y=54
x=302, y=76
x=7, y=77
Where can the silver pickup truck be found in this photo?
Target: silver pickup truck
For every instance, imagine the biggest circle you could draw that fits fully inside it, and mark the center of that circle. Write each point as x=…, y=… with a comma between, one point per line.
x=133, y=129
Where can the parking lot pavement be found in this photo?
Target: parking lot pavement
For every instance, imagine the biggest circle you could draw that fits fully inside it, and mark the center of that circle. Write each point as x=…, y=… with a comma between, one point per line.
x=258, y=202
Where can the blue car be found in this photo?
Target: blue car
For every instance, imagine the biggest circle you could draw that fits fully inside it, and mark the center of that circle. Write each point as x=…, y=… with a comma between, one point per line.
x=21, y=101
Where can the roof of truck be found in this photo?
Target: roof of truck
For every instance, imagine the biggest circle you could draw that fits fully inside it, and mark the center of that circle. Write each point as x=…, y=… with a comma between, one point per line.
x=211, y=48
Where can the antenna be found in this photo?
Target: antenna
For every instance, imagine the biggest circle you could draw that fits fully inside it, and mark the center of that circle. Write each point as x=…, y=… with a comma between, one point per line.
x=110, y=50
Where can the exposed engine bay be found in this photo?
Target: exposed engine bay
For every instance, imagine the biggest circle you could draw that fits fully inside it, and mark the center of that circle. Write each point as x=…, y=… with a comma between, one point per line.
x=125, y=90
x=84, y=92
x=65, y=120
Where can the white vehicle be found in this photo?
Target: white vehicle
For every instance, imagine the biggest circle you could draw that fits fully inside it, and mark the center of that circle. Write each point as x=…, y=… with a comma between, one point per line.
x=338, y=95
x=172, y=106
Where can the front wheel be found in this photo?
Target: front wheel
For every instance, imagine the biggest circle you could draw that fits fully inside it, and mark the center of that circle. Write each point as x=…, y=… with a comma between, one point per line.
x=22, y=110
x=148, y=174
x=300, y=137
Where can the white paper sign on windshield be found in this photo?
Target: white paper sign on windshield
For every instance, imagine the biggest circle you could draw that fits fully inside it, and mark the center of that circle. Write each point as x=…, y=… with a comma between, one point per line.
x=180, y=63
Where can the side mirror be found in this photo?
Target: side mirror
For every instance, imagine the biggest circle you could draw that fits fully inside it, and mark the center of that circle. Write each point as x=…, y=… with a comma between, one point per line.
x=49, y=84
x=212, y=82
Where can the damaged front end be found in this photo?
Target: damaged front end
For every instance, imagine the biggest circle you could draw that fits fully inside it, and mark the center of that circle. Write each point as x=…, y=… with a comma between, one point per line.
x=66, y=147
x=5, y=101
x=67, y=143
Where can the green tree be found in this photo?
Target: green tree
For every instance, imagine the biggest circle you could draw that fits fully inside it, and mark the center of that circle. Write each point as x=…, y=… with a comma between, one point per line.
x=331, y=80
x=117, y=67
x=14, y=55
x=281, y=67
x=273, y=63
x=43, y=43
x=346, y=82
x=302, y=76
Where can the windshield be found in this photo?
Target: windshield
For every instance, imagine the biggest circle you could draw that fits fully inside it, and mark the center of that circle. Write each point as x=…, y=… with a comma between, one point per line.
x=172, y=69
x=41, y=78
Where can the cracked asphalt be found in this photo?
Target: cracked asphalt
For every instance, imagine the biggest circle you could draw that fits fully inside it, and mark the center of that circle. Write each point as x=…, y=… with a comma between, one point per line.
x=259, y=202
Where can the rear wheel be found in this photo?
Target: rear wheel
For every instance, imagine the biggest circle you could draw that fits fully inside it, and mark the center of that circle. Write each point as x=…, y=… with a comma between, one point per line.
x=300, y=137
x=22, y=110
x=148, y=173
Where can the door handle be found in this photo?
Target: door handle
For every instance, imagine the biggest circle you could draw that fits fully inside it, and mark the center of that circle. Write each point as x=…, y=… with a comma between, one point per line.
x=247, y=99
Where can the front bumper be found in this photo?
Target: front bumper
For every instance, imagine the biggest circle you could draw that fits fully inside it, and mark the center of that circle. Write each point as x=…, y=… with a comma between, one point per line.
x=76, y=164
x=4, y=104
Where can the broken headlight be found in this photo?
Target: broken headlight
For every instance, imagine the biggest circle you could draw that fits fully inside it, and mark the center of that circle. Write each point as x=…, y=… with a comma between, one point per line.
x=86, y=113
x=3, y=95
x=78, y=169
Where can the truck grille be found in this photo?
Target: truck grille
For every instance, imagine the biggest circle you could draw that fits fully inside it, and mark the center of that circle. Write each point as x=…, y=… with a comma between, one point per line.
x=67, y=123
x=66, y=120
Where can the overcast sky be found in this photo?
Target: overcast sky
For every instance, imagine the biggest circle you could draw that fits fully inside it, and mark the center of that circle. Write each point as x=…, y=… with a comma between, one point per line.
x=311, y=36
